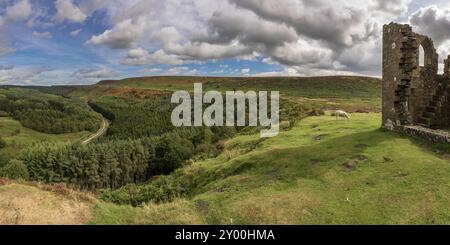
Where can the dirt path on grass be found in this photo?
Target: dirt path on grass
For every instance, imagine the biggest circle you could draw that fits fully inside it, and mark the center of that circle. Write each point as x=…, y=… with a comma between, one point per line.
x=99, y=133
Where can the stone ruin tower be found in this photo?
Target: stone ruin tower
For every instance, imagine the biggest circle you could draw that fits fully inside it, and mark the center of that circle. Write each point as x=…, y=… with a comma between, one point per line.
x=414, y=94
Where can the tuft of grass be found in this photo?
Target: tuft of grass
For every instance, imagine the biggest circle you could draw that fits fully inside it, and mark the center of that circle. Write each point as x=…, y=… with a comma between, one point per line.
x=24, y=204
x=177, y=212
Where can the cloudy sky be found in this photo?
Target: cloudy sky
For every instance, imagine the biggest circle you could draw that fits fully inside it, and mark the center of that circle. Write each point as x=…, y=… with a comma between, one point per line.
x=46, y=42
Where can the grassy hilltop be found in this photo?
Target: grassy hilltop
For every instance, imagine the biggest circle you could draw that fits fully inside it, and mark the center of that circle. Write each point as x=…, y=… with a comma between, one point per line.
x=317, y=171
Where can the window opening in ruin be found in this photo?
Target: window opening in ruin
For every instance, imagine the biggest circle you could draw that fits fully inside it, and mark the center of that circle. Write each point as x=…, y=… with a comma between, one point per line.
x=421, y=56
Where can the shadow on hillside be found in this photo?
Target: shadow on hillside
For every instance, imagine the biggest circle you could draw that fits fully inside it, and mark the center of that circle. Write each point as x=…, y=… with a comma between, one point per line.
x=287, y=164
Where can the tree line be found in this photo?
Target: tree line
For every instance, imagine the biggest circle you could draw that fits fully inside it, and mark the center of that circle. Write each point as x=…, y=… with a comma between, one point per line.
x=112, y=163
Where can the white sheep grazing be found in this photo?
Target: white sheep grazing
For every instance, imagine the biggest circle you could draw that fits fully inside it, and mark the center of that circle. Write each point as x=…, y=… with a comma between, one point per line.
x=342, y=114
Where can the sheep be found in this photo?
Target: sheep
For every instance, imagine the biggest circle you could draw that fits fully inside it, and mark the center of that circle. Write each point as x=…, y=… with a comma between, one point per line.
x=341, y=113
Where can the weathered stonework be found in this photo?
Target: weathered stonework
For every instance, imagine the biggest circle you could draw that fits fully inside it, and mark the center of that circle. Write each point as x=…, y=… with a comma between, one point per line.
x=413, y=95
x=432, y=135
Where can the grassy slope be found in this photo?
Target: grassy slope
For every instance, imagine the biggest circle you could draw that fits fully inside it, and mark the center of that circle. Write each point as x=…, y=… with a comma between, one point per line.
x=25, y=204
x=355, y=174
x=31, y=203
x=27, y=136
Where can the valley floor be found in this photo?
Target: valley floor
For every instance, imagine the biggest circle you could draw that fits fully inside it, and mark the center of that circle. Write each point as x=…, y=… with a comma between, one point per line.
x=323, y=171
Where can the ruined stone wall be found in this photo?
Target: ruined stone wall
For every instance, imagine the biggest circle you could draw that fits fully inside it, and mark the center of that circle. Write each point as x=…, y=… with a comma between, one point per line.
x=424, y=82
x=399, y=62
x=435, y=136
x=413, y=94
x=447, y=67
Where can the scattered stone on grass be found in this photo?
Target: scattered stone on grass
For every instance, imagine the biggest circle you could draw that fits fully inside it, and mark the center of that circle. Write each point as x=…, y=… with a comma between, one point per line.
x=401, y=174
x=361, y=158
x=314, y=161
x=350, y=165
x=320, y=137
x=387, y=159
x=353, y=163
x=361, y=146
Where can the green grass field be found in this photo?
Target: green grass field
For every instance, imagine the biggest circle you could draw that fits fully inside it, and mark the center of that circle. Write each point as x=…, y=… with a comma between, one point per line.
x=18, y=137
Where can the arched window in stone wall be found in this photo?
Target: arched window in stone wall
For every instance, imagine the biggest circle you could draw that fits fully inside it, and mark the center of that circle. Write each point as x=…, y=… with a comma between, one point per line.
x=421, y=56
x=427, y=57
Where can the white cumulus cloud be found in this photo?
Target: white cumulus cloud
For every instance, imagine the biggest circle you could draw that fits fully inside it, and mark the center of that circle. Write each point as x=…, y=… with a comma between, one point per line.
x=21, y=10
x=67, y=10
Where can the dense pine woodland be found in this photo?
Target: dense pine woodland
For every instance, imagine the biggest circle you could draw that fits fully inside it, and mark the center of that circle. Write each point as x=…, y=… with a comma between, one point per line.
x=109, y=164
x=135, y=119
